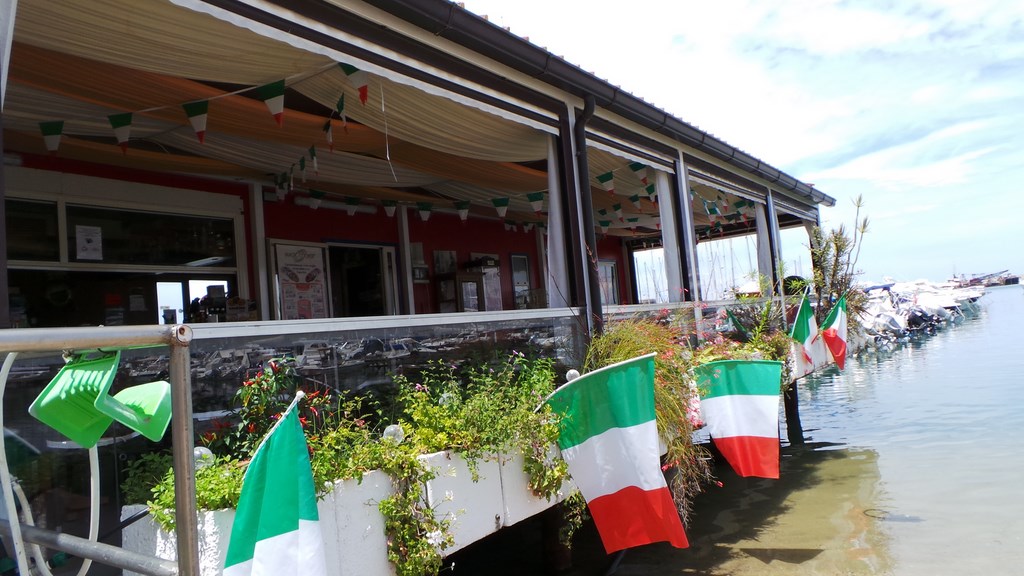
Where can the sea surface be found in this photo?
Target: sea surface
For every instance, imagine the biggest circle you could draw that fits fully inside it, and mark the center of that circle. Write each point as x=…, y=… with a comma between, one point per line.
x=945, y=417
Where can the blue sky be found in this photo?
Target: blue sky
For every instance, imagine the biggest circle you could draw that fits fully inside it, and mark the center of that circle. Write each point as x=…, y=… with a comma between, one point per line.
x=918, y=106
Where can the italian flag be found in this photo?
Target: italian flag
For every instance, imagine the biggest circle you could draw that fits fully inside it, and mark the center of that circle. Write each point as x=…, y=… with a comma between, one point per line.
x=277, y=528
x=740, y=404
x=833, y=330
x=198, y=113
x=808, y=350
x=609, y=440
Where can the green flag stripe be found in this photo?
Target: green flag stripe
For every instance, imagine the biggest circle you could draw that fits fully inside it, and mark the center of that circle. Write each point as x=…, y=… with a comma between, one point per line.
x=616, y=396
x=738, y=377
x=831, y=318
x=277, y=490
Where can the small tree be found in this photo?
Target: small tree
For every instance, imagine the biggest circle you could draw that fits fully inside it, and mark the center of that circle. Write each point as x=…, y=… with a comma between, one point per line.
x=834, y=257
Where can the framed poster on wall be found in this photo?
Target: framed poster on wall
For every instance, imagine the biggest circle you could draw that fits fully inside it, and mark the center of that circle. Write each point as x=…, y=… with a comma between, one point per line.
x=301, y=280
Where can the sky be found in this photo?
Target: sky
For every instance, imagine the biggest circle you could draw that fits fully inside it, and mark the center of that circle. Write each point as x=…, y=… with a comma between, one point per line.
x=917, y=107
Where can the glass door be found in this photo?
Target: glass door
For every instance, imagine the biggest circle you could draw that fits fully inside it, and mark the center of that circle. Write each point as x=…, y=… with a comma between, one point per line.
x=363, y=280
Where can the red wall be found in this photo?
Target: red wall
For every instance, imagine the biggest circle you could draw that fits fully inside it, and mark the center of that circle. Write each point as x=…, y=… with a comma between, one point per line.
x=442, y=231
x=475, y=235
x=610, y=248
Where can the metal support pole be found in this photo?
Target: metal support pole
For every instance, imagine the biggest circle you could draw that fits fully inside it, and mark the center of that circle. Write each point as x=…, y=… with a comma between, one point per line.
x=184, y=462
x=95, y=551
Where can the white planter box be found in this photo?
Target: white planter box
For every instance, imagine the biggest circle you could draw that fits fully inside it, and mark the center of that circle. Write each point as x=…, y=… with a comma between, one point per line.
x=352, y=526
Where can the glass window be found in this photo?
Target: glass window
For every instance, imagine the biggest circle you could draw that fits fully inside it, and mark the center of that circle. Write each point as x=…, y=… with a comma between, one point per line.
x=116, y=236
x=609, y=282
x=32, y=231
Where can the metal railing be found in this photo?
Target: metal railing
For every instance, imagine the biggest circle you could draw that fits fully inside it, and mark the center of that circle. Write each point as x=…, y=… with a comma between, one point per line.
x=177, y=338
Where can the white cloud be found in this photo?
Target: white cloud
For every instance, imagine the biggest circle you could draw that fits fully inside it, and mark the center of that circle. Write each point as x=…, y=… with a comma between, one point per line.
x=914, y=104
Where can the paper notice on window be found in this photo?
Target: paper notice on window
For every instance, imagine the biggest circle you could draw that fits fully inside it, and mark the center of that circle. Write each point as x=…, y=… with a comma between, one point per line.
x=89, y=242
x=302, y=280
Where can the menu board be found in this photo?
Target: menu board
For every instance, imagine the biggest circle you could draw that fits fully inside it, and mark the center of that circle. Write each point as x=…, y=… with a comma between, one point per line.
x=303, y=281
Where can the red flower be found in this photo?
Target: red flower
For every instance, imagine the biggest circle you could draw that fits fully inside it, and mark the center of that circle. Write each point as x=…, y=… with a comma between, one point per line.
x=302, y=420
x=251, y=427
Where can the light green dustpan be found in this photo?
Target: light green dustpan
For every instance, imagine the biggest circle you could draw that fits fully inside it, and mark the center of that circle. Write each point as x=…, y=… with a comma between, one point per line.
x=77, y=402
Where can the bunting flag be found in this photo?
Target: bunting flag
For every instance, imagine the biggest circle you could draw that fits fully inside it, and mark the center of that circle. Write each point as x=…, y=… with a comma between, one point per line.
x=740, y=405
x=340, y=109
x=631, y=222
x=273, y=96
x=617, y=208
x=197, y=114
x=424, y=209
x=651, y=193
x=462, y=206
x=640, y=170
x=389, y=207
x=808, y=349
x=52, y=132
x=607, y=181
x=351, y=205
x=833, y=330
x=122, y=125
x=604, y=224
x=635, y=199
x=277, y=526
x=358, y=78
x=536, y=200
x=501, y=205
x=302, y=168
x=312, y=156
x=315, y=197
x=527, y=226
x=510, y=225
x=281, y=185
x=609, y=440
x=328, y=130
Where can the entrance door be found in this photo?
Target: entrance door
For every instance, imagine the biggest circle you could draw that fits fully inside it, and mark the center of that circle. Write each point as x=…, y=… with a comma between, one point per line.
x=363, y=280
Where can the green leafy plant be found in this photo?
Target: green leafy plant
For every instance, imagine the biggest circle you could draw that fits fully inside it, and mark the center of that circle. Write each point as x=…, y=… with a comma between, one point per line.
x=676, y=397
x=475, y=410
x=142, y=474
x=834, y=256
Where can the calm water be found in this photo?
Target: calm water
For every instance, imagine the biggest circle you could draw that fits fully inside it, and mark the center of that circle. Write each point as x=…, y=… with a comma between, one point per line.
x=945, y=417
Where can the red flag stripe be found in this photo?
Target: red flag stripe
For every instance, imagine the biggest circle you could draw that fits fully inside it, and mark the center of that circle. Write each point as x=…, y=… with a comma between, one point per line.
x=634, y=517
x=751, y=455
x=836, y=345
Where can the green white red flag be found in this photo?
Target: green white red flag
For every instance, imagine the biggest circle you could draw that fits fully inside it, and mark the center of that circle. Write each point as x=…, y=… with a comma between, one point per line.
x=833, y=330
x=740, y=406
x=122, y=125
x=273, y=96
x=277, y=527
x=52, y=132
x=198, y=113
x=359, y=78
x=808, y=349
x=609, y=439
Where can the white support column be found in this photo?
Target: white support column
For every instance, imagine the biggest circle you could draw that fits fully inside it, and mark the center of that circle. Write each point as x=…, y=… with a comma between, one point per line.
x=670, y=238
x=687, y=232
x=8, y=10
x=261, y=267
x=405, y=257
x=764, y=249
x=555, y=269
x=775, y=245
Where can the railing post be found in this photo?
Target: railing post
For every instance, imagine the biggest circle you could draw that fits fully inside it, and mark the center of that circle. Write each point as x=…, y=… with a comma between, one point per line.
x=184, y=464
